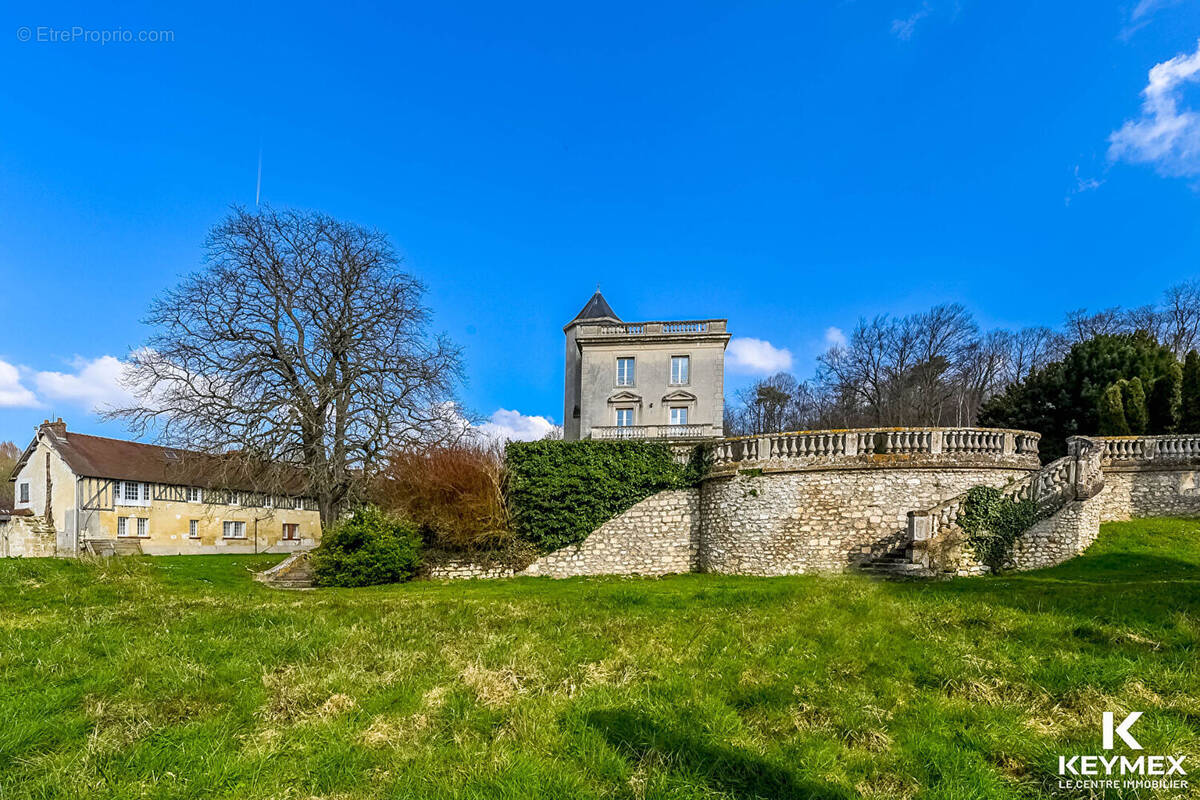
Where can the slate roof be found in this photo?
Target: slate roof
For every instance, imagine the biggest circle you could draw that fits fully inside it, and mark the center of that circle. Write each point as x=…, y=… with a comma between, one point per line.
x=597, y=308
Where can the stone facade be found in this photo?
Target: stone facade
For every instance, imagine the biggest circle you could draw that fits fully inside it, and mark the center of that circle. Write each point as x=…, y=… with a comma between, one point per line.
x=647, y=397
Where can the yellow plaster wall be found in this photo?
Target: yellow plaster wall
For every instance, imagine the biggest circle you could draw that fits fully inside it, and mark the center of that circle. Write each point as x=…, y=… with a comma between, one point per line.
x=169, y=528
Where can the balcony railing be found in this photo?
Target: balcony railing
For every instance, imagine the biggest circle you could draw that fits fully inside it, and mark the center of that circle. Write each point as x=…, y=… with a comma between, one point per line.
x=653, y=431
x=678, y=328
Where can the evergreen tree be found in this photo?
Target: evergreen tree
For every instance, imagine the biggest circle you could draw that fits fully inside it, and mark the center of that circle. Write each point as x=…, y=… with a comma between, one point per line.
x=1189, y=415
x=1063, y=398
x=1166, y=401
x=1133, y=397
x=1112, y=412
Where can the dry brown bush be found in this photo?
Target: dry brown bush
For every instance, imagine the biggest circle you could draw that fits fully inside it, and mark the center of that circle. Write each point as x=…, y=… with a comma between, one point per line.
x=453, y=493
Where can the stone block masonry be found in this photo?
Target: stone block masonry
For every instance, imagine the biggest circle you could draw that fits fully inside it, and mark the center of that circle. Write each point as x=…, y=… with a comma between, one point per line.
x=788, y=523
x=658, y=536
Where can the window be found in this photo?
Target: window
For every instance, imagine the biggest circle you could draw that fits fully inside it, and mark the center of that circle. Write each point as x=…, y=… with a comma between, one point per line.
x=193, y=494
x=679, y=415
x=132, y=493
x=193, y=529
x=291, y=531
x=624, y=417
x=625, y=372
x=298, y=504
x=122, y=526
x=23, y=495
x=234, y=530
x=143, y=527
x=679, y=369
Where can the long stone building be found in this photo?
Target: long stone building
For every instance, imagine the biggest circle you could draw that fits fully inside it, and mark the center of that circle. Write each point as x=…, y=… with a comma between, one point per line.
x=76, y=493
x=643, y=380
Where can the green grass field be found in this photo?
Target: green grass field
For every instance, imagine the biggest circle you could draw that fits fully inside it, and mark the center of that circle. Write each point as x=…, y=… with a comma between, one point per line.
x=180, y=677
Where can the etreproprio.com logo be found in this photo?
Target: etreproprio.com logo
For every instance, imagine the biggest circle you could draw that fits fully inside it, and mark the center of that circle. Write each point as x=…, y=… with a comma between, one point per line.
x=1091, y=772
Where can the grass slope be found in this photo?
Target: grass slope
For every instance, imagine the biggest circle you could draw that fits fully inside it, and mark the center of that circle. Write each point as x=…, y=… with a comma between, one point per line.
x=179, y=677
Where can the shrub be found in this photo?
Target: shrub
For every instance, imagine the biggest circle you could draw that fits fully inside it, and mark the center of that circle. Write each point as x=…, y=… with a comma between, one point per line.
x=992, y=523
x=455, y=495
x=559, y=492
x=367, y=549
x=1112, y=412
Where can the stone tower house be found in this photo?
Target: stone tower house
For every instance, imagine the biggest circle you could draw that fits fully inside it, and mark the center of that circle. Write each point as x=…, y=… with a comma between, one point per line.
x=642, y=380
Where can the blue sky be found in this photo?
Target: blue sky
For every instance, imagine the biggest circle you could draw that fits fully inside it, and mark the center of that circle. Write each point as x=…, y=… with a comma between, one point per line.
x=789, y=166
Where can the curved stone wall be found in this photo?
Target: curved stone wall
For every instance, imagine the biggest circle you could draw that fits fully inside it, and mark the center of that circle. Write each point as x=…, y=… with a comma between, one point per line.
x=821, y=501
x=785, y=523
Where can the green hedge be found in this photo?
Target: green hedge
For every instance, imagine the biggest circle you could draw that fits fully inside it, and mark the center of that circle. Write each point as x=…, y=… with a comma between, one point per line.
x=367, y=549
x=558, y=492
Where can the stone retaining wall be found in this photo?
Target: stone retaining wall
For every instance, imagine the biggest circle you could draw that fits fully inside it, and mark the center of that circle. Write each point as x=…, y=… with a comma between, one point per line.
x=1133, y=492
x=786, y=523
x=658, y=536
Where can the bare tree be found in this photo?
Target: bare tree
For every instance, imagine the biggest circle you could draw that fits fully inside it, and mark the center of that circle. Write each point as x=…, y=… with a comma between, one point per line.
x=1180, y=318
x=301, y=342
x=1081, y=326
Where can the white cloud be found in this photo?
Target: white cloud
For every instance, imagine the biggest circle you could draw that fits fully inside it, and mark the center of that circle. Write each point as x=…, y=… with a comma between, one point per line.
x=1141, y=15
x=12, y=393
x=903, y=29
x=505, y=425
x=755, y=356
x=96, y=384
x=835, y=337
x=1164, y=135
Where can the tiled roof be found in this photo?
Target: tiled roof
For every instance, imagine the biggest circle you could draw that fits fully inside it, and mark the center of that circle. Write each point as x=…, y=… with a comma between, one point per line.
x=117, y=459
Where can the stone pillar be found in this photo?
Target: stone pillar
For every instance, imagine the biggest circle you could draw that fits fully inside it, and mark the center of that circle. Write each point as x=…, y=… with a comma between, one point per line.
x=1010, y=443
x=937, y=440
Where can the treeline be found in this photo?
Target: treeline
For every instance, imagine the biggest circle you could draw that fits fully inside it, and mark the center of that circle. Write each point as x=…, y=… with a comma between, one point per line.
x=938, y=368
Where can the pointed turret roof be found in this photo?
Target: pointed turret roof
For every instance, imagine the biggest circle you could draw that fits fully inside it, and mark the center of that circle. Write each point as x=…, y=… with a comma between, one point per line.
x=596, y=308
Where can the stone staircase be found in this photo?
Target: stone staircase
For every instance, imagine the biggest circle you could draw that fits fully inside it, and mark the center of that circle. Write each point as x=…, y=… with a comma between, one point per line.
x=107, y=548
x=896, y=565
x=294, y=572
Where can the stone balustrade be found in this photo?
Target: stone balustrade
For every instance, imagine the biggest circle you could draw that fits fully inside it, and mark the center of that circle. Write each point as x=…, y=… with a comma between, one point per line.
x=653, y=432
x=1148, y=450
x=876, y=446
x=673, y=328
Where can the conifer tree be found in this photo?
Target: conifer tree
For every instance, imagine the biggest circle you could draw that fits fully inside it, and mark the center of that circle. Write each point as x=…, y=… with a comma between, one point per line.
x=1189, y=421
x=1166, y=401
x=1111, y=411
x=1133, y=397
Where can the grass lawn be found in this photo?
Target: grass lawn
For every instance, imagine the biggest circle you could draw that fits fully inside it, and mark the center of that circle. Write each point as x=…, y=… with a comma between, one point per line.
x=180, y=677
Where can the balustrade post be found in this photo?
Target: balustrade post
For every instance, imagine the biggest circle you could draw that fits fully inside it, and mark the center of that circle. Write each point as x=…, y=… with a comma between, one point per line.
x=936, y=441
x=849, y=443
x=1010, y=444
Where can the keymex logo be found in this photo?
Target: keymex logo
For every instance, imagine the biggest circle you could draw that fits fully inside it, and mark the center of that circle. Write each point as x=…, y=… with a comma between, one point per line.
x=1113, y=771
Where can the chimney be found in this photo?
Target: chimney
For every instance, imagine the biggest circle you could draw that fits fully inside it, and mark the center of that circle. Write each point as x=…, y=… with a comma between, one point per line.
x=58, y=427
